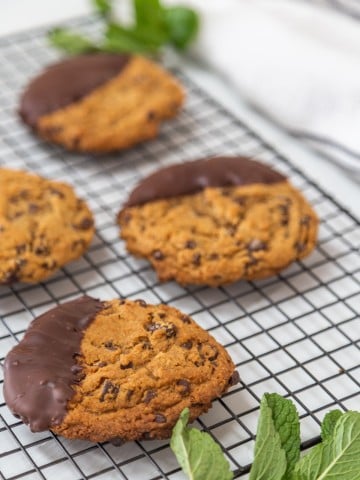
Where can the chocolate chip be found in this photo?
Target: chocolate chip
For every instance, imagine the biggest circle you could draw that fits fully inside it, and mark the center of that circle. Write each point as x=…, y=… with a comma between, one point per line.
x=49, y=264
x=231, y=229
x=75, y=142
x=11, y=276
x=109, y=388
x=110, y=346
x=20, y=248
x=151, y=115
x=217, y=277
x=240, y=200
x=146, y=345
x=42, y=250
x=214, y=355
x=213, y=256
x=85, y=224
x=187, y=345
x=152, y=326
x=255, y=245
x=129, y=394
x=126, y=217
x=284, y=210
x=101, y=364
x=158, y=255
x=252, y=261
x=80, y=242
x=75, y=369
x=160, y=418
x=300, y=246
x=191, y=244
x=235, y=378
x=185, y=318
x=149, y=395
x=127, y=365
x=171, y=331
x=170, y=328
x=185, y=384
x=56, y=192
x=196, y=259
x=33, y=208
x=141, y=302
x=117, y=441
x=162, y=315
x=305, y=220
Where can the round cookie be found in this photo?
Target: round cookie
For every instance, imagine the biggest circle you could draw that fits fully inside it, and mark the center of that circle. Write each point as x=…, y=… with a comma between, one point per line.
x=43, y=226
x=218, y=220
x=117, y=370
x=100, y=102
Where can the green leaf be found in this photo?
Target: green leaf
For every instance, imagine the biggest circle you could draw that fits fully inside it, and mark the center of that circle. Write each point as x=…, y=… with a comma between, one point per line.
x=104, y=7
x=70, y=42
x=329, y=422
x=286, y=423
x=182, y=24
x=148, y=13
x=121, y=39
x=198, y=454
x=338, y=457
x=277, y=446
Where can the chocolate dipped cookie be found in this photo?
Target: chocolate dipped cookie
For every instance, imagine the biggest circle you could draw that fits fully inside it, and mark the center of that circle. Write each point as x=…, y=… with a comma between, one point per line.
x=116, y=370
x=218, y=220
x=100, y=102
x=43, y=226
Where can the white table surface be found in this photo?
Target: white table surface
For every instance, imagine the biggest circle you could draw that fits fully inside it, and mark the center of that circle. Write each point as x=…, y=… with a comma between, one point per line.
x=19, y=15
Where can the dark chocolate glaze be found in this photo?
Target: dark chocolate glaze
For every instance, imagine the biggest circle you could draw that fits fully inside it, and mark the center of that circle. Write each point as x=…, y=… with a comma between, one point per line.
x=191, y=177
x=67, y=82
x=39, y=372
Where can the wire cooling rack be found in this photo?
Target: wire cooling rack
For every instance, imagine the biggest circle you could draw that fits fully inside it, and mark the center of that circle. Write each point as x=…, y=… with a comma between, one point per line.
x=297, y=334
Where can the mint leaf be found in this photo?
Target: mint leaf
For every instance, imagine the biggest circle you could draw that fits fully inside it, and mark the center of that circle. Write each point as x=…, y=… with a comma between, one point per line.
x=277, y=446
x=148, y=13
x=104, y=7
x=338, y=456
x=182, y=24
x=70, y=42
x=121, y=39
x=329, y=422
x=286, y=423
x=198, y=454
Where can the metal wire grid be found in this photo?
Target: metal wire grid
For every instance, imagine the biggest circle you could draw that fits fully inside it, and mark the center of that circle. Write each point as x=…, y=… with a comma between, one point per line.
x=297, y=334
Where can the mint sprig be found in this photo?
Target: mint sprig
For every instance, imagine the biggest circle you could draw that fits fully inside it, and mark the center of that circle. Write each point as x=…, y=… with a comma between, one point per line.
x=155, y=26
x=198, y=454
x=277, y=447
x=338, y=457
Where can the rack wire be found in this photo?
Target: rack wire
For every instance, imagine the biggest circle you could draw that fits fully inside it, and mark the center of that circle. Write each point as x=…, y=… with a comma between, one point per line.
x=297, y=334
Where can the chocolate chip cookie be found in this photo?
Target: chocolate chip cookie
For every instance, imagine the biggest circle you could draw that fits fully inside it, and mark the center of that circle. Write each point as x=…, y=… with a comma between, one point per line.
x=100, y=102
x=43, y=226
x=218, y=220
x=116, y=370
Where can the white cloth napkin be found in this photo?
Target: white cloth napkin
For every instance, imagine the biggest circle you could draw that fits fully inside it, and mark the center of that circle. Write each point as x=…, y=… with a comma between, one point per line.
x=298, y=62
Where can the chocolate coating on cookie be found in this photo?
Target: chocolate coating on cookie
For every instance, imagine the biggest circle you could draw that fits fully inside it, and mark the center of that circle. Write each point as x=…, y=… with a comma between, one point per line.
x=66, y=82
x=191, y=177
x=41, y=369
